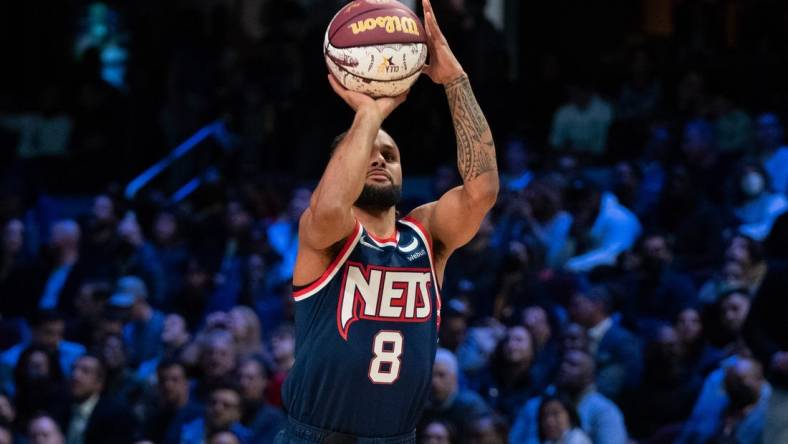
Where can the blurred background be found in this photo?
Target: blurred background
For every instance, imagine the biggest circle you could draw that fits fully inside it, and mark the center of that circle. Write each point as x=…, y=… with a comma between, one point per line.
x=634, y=264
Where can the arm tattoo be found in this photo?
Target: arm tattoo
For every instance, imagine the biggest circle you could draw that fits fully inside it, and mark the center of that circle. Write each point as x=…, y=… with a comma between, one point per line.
x=475, y=148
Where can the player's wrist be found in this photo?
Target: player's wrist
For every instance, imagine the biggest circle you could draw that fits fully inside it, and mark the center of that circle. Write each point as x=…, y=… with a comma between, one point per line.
x=455, y=79
x=370, y=112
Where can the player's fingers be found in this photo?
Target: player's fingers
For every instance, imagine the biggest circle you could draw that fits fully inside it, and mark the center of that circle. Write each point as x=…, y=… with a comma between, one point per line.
x=433, y=31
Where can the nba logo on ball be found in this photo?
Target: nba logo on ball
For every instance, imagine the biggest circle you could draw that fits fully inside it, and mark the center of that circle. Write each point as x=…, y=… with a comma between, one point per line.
x=376, y=47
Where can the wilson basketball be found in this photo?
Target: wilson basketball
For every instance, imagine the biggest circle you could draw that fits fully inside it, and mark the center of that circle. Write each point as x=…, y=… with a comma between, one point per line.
x=376, y=47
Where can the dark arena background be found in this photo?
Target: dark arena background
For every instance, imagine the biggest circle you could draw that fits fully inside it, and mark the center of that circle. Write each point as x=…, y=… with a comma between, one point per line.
x=630, y=285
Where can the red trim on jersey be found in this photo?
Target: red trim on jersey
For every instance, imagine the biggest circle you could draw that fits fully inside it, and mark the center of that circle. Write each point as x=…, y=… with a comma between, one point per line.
x=300, y=294
x=391, y=239
x=427, y=236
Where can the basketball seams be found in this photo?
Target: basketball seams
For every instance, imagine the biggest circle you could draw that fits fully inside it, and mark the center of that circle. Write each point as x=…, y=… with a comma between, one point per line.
x=342, y=68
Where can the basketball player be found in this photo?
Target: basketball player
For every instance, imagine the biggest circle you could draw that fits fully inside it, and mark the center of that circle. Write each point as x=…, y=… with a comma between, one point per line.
x=366, y=285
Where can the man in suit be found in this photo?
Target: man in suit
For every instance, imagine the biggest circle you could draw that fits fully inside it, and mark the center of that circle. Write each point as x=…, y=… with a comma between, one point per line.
x=94, y=418
x=616, y=351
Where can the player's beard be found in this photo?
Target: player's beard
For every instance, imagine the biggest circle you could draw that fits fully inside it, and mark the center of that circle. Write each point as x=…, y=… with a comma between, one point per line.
x=379, y=198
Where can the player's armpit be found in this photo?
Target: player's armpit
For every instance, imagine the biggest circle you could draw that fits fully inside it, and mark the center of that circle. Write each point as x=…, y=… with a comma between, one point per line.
x=320, y=230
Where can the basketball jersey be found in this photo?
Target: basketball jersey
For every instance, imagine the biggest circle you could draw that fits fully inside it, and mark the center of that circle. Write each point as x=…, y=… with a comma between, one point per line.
x=366, y=336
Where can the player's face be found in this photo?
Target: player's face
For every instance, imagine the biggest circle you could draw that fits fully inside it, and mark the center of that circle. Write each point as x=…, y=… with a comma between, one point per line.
x=384, y=163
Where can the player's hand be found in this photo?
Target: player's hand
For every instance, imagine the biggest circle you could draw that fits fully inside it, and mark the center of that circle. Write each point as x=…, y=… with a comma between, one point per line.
x=443, y=67
x=356, y=100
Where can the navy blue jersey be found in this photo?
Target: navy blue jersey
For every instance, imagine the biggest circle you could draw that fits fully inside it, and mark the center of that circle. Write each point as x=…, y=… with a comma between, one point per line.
x=366, y=336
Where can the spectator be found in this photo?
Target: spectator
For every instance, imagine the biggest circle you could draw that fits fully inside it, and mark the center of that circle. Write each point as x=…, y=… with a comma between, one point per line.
x=772, y=150
x=511, y=383
x=737, y=415
x=42, y=429
x=449, y=402
x=39, y=384
x=283, y=354
x=16, y=273
x=734, y=308
x=172, y=407
x=65, y=273
x=174, y=339
x=668, y=389
x=602, y=228
x=516, y=175
x=7, y=415
x=437, y=432
x=143, y=331
x=756, y=208
x=172, y=251
x=218, y=360
x=454, y=325
x=544, y=331
x=137, y=257
x=575, y=337
x=600, y=418
x=702, y=158
x=559, y=423
x=223, y=413
x=581, y=124
x=121, y=382
x=283, y=235
x=94, y=418
x=658, y=291
x=766, y=335
x=488, y=429
x=225, y=437
x=245, y=327
x=616, y=351
x=262, y=420
x=48, y=329
x=5, y=435
x=699, y=355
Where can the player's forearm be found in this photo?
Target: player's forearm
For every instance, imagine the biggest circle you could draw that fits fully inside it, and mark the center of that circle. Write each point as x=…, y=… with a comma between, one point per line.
x=475, y=146
x=345, y=174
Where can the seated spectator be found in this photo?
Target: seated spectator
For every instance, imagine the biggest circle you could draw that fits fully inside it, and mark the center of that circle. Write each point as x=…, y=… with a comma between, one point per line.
x=172, y=251
x=447, y=401
x=226, y=437
x=17, y=271
x=735, y=414
x=668, y=389
x=658, y=291
x=5, y=435
x=65, y=271
x=48, y=329
x=488, y=429
x=602, y=228
x=222, y=413
x=42, y=429
x=509, y=384
x=7, y=417
x=600, y=418
x=283, y=354
x=545, y=333
x=121, y=382
x=769, y=136
x=174, y=338
x=699, y=355
x=581, y=124
x=559, y=423
x=574, y=337
x=245, y=327
x=438, y=432
x=143, y=331
x=39, y=384
x=616, y=351
x=94, y=418
x=218, y=361
x=172, y=406
x=263, y=420
x=755, y=206
x=734, y=308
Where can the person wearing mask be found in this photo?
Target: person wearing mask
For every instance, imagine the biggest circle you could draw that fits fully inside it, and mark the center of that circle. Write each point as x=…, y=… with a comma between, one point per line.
x=600, y=418
x=94, y=418
x=449, y=402
x=769, y=136
x=756, y=207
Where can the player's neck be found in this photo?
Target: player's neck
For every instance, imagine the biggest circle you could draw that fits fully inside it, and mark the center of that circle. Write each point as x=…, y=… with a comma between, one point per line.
x=380, y=223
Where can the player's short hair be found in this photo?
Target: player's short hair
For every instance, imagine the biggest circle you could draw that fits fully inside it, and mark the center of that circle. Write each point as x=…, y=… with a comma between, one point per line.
x=447, y=357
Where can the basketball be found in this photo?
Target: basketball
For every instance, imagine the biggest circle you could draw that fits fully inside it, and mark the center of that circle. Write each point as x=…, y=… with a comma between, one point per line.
x=376, y=47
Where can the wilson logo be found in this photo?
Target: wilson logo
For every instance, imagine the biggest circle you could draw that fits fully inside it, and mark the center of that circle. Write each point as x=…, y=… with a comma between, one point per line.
x=391, y=23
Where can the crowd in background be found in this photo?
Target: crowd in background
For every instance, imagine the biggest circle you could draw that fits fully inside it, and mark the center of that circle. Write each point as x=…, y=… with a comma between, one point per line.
x=628, y=286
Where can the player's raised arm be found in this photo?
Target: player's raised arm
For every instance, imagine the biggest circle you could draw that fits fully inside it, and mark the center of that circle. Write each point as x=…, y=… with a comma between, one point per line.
x=329, y=218
x=455, y=218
